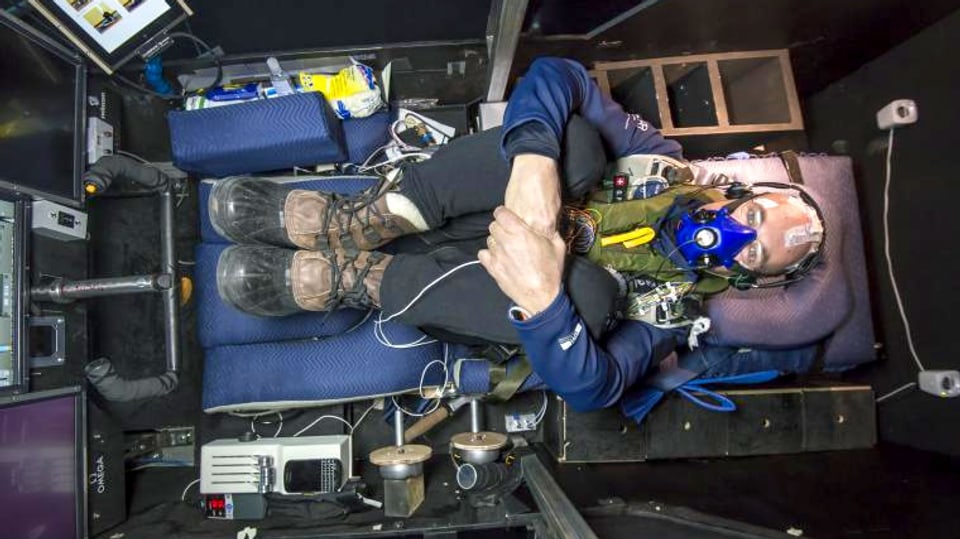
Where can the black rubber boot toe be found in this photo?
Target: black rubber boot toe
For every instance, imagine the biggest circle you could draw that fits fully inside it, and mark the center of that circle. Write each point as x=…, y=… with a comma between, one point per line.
x=249, y=210
x=256, y=280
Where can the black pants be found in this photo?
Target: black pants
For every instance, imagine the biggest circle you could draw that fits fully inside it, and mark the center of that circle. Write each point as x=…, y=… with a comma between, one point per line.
x=456, y=192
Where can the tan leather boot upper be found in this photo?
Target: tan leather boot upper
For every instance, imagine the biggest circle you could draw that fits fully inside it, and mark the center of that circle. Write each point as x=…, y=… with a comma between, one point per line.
x=316, y=220
x=327, y=280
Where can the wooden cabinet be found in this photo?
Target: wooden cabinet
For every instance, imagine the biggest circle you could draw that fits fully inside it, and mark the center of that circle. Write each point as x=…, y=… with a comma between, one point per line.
x=707, y=94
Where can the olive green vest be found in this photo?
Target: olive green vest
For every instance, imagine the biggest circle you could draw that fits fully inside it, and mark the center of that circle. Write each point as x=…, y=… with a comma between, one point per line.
x=619, y=217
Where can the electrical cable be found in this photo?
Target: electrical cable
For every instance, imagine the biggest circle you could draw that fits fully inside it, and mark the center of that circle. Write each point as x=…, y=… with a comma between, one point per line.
x=542, y=413
x=396, y=138
x=363, y=416
x=183, y=497
x=390, y=161
x=380, y=334
x=897, y=391
x=134, y=156
x=321, y=418
x=246, y=415
x=423, y=375
x=197, y=41
x=253, y=424
x=889, y=259
x=425, y=289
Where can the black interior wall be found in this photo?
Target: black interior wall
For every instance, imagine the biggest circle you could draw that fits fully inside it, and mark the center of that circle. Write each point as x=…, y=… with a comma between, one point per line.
x=923, y=219
x=249, y=26
x=827, y=39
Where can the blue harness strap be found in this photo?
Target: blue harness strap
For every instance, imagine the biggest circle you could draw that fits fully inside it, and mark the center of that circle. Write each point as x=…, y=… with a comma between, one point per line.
x=684, y=378
x=721, y=403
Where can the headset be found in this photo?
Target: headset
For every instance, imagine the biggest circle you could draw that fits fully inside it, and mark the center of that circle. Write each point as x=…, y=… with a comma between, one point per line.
x=711, y=238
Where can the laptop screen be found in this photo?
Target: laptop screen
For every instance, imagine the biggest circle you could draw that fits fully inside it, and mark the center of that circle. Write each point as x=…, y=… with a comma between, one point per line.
x=41, y=483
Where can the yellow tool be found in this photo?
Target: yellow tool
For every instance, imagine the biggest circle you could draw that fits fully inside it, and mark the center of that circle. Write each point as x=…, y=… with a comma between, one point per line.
x=635, y=237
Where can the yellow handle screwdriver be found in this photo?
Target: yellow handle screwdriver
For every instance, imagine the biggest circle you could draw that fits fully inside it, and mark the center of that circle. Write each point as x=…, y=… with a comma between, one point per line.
x=635, y=237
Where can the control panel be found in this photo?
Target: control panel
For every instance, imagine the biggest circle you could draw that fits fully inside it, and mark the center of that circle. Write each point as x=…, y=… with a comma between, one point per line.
x=7, y=291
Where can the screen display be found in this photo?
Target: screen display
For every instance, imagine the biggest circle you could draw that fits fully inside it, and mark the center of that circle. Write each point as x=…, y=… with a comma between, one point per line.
x=8, y=354
x=111, y=23
x=37, y=116
x=39, y=468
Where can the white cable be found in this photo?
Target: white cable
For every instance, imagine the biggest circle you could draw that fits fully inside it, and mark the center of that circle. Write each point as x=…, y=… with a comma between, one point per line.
x=886, y=253
x=257, y=414
x=317, y=420
x=253, y=426
x=363, y=416
x=423, y=375
x=432, y=409
x=399, y=158
x=396, y=138
x=380, y=334
x=425, y=290
x=543, y=410
x=374, y=154
x=183, y=497
x=897, y=391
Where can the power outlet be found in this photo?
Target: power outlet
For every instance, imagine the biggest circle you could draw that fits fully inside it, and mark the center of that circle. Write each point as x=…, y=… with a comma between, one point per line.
x=940, y=383
x=897, y=113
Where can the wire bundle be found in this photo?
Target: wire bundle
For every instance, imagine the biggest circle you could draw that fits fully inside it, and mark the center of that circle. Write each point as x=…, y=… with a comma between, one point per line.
x=580, y=229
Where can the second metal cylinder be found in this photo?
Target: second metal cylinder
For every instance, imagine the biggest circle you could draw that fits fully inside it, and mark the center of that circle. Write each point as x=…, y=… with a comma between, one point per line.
x=476, y=416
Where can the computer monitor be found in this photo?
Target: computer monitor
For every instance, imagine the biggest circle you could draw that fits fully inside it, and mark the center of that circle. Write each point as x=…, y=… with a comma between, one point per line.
x=42, y=464
x=42, y=124
x=113, y=32
x=14, y=228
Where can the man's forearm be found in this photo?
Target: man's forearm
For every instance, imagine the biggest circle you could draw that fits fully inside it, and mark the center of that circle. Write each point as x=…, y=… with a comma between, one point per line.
x=533, y=192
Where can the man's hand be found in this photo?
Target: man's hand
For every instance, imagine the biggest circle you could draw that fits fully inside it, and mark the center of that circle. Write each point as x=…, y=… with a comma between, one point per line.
x=527, y=265
x=533, y=192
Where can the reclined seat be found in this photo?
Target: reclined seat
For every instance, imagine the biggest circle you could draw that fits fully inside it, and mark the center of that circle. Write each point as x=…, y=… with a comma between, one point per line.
x=306, y=360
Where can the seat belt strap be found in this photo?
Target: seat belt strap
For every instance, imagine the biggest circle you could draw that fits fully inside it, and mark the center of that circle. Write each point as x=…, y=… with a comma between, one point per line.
x=689, y=367
x=791, y=163
x=504, y=383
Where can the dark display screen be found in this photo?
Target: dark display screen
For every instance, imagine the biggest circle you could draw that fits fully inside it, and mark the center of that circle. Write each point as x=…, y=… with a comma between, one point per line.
x=38, y=92
x=38, y=468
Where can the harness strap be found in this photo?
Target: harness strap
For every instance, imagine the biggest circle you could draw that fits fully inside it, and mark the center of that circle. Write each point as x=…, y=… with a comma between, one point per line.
x=792, y=164
x=506, y=382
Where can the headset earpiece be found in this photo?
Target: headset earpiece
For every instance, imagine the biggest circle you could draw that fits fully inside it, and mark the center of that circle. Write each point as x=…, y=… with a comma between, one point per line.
x=738, y=190
x=743, y=282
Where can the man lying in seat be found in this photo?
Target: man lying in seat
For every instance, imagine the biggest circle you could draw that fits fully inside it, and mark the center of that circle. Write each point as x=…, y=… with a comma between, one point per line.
x=481, y=257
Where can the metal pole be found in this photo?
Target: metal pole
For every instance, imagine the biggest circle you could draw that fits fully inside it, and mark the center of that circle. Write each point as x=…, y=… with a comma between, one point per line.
x=168, y=259
x=65, y=291
x=503, y=34
x=557, y=510
x=398, y=427
x=476, y=416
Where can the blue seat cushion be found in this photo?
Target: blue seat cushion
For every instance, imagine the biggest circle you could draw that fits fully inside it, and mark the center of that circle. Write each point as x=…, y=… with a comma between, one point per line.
x=364, y=135
x=263, y=135
x=220, y=324
x=315, y=371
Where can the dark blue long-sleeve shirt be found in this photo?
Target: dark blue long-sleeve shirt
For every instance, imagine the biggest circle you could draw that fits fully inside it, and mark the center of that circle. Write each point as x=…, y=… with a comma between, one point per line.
x=587, y=374
x=555, y=88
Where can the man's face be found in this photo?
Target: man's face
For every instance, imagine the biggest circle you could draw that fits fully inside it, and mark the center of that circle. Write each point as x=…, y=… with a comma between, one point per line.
x=787, y=230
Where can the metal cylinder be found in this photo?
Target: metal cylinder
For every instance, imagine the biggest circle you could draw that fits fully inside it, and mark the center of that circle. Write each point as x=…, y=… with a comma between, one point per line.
x=66, y=291
x=479, y=456
x=168, y=259
x=398, y=428
x=481, y=476
x=476, y=416
x=401, y=471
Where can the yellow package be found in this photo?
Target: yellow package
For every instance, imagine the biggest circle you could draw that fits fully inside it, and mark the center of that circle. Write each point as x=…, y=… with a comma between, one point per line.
x=352, y=92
